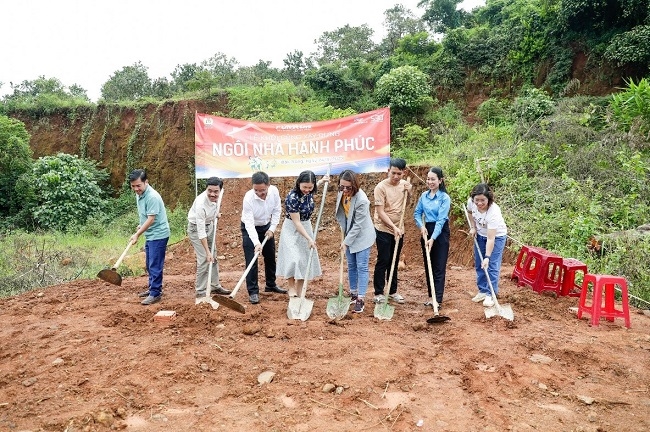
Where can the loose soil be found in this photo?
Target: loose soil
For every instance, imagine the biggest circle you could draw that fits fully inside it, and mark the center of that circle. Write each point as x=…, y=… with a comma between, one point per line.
x=86, y=356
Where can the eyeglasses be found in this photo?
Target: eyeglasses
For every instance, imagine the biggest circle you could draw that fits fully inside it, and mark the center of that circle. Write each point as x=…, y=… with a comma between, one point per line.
x=343, y=188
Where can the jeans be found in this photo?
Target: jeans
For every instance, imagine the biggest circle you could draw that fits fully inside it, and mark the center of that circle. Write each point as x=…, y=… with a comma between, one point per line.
x=494, y=268
x=154, y=251
x=385, y=249
x=268, y=252
x=202, y=265
x=438, y=255
x=358, y=271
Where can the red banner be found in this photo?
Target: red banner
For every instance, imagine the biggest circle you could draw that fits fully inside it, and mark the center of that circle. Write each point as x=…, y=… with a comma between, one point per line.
x=230, y=148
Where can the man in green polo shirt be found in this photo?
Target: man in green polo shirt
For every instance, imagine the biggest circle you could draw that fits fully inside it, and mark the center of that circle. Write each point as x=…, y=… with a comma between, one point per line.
x=153, y=224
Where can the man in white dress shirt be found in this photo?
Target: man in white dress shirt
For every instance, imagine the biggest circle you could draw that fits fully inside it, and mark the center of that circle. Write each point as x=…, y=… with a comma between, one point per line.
x=200, y=230
x=259, y=219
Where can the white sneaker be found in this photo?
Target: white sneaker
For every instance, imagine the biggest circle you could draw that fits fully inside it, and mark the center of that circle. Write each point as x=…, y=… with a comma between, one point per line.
x=488, y=302
x=479, y=297
x=379, y=298
x=397, y=297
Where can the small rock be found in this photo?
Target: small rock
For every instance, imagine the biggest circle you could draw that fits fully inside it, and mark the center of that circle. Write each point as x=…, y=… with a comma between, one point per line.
x=586, y=399
x=265, y=377
x=29, y=382
x=159, y=417
x=58, y=361
x=221, y=257
x=104, y=418
x=329, y=388
x=251, y=329
x=542, y=386
x=592, y=417
x=539, y=358
x=204, y=367
x=339, y=390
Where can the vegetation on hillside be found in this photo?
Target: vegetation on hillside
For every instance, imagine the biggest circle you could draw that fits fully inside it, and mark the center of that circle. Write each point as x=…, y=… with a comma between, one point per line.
x=565, y=165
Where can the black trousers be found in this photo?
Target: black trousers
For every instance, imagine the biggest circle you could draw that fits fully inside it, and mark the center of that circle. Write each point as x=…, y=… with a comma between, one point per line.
x=438, y=254
x=268, y=252
x=385, y=250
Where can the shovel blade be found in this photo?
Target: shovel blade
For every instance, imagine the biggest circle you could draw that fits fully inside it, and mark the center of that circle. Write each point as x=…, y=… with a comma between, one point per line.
x=438, y=319
x=299, y=308
x=337, y=307
x=384, y=311
x=110, y=276
x=504, y=311
x=207, y=300
x=229, y=303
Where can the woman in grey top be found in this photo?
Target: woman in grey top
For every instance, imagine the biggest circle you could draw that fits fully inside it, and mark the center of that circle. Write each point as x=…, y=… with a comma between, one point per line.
x=353, y=215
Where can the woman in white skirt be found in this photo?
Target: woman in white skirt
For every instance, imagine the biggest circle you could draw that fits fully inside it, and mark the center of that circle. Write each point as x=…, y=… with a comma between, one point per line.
x=297, y=234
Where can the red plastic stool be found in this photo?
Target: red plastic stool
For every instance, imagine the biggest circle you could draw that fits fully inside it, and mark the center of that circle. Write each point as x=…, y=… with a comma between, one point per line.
x=596, y=308
x=539, y=269
x=570, y=266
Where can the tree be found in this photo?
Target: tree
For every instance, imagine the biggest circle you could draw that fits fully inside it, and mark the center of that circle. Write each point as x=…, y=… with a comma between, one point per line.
x=42, y=87
x=332, y=83
x=161, y=88
x=405, y=88
x=443, y=15
x=399, y=22
x=70, y=189
x=221, y=68
x=130, y=83
x=295, y=66
x=15, y=160
x=257, y=74
x=344, y=44
x=182, y=74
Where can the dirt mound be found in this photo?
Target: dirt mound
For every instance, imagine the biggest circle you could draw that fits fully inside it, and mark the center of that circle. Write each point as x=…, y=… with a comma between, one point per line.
x=87, y=356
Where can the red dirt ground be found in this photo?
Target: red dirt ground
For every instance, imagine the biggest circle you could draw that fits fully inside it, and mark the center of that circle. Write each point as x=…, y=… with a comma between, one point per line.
x=86, y=356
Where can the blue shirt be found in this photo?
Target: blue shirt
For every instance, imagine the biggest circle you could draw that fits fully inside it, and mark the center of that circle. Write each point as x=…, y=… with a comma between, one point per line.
x=435, y=209
x=151, y=203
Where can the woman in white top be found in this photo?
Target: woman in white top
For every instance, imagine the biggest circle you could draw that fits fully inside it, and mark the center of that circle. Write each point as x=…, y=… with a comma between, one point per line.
x=491, y=232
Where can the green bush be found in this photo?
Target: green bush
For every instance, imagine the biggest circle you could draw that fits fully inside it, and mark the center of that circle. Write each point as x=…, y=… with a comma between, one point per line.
x=532, y=105
x=631, y=107
x=68, y=190
x=15, y=160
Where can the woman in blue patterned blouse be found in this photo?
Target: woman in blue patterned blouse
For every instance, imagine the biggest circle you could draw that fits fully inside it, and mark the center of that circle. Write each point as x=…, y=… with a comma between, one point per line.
x=297, y=235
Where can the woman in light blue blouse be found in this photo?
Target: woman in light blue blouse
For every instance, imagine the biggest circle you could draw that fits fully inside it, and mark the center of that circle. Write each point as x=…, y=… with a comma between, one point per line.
x=297, y=234
x=434, y=204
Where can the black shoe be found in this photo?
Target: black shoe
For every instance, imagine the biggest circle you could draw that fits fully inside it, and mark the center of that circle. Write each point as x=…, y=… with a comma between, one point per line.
x=254, y=298
x=220, y=290
x=143, y=294
x=275, y=289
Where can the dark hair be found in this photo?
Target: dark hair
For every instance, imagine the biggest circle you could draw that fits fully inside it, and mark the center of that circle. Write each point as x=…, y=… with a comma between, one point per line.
x=214, y=181
x=398, y=163
x=483, y=189
x=438, y=171
x=305, y=177
x=349, y=175
x=260, y=177
x=138, y=174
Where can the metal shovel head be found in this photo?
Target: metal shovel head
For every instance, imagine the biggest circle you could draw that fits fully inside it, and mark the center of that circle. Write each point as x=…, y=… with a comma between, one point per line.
x=229, y=303
x=337, y=307
x=110, y=276
x=384, y=311
x=207, y=300
x=504, y=311
x=299, y=308
x=438, y=319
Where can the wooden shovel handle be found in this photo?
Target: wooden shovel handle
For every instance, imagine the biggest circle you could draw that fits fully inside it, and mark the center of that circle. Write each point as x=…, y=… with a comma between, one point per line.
x=121, y=258
x=214, y=240
x=401, y=225
x=248, y=269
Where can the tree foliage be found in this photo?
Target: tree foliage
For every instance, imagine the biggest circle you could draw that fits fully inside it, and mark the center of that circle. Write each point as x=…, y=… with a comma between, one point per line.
x=129, y=83
x=405, y=87
x=15, y=160
x=443, y=15
x=344, y=44
x=69, y=190
x=399, y=22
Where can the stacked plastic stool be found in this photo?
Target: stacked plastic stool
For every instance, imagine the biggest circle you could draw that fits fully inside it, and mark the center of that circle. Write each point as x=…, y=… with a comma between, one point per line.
x=538, y=268
x=570, y=269
x=604, y=291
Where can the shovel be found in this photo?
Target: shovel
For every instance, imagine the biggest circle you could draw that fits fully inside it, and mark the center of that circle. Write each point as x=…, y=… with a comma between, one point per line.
x=337, y=307
x=228, y=301
x=208, y=288
x=436, y=318
x=504, y=311
x=383, y=310
x=111, y=275
x=300, y=308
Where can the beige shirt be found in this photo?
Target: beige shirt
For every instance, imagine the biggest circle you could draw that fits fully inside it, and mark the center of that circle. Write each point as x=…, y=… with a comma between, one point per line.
x=391, y=197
